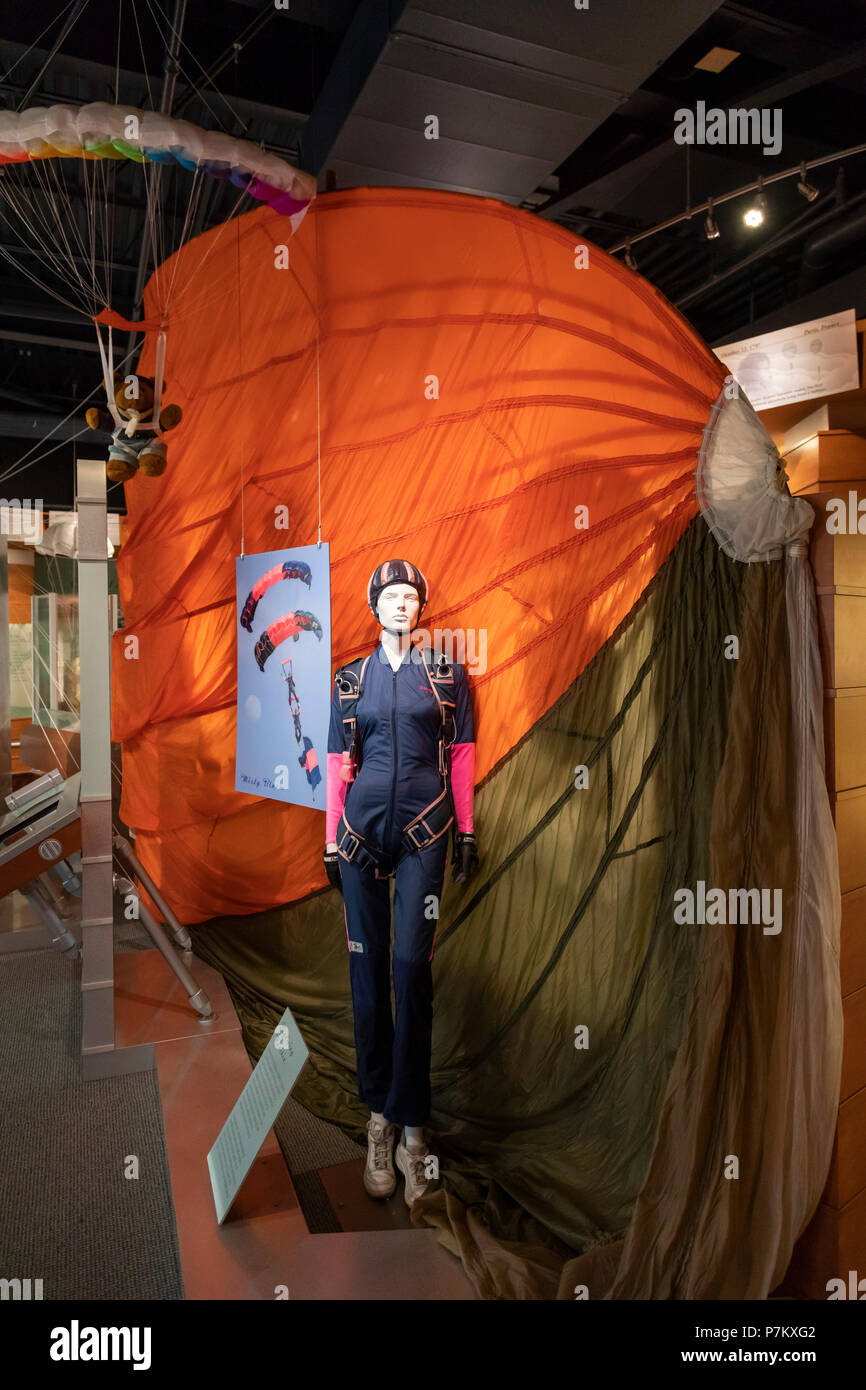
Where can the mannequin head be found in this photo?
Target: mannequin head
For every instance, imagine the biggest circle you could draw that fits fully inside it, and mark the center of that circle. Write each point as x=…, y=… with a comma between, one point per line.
x=397, y=607
x=396, y=594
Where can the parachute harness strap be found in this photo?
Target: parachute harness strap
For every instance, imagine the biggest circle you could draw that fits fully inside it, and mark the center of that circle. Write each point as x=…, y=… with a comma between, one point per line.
x=159, y=372
x=108, y=375
x=447, y=709
x=350, y=684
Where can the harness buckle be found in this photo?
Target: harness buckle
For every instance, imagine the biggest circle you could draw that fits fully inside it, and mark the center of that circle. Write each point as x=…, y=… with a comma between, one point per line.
x=411, y=835
x=349, y=854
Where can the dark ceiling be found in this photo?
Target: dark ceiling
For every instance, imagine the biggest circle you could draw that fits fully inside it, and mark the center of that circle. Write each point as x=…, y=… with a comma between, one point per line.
x=569, y=114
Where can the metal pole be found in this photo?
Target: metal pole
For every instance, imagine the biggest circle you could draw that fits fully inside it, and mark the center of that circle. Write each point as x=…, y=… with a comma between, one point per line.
x=128, y=856
x=97, y=888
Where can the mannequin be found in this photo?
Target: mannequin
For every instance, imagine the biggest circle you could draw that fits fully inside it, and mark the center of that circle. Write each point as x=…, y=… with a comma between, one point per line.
x=375, y=806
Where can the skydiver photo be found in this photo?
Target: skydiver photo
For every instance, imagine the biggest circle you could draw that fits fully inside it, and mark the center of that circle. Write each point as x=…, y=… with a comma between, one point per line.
x=432, y=678
x=282, y=720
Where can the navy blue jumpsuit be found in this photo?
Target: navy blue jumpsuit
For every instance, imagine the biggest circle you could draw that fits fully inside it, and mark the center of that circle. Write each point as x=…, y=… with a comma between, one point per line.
x=398, y=727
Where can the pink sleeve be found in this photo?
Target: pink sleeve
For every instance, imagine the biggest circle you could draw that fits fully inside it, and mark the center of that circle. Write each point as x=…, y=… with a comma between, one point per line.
x=335, y=797
x=463, y=783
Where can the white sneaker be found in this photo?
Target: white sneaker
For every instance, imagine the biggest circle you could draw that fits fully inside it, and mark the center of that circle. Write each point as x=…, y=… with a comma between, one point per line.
x=379, y=1178
x=410, y=1161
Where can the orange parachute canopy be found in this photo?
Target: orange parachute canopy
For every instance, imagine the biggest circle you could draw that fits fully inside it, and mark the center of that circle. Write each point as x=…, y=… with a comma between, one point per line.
x=481, y=380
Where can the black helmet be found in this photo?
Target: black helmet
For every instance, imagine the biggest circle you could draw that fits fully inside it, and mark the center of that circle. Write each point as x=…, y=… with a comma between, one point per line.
x=396, y=572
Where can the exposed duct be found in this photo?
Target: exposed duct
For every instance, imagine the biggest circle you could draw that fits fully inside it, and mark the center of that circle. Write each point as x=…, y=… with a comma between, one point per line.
x=826, y=246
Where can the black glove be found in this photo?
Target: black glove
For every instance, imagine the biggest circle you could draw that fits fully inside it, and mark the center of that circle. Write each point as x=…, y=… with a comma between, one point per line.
x=332, y=869
x=465, y=859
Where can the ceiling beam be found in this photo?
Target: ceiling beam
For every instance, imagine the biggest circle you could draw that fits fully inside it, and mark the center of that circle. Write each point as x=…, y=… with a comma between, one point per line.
x=363, y=44
x=73, y=344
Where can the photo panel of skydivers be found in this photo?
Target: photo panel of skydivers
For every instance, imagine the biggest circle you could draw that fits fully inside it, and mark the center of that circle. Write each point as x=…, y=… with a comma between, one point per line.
x=401, y=756
x=289, y=625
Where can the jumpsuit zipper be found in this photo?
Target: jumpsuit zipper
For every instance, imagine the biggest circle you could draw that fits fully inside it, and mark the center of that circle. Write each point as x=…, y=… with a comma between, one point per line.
x=389, y=822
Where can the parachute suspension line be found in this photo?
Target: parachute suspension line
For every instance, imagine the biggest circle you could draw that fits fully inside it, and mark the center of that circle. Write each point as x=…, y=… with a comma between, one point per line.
x=28, y=461
x=190, y=214
x=48, y=231
x=64, y=224
x=318, y=410
x=240, y=375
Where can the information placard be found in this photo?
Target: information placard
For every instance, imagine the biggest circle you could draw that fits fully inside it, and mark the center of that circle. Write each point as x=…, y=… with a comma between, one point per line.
x=254, y=1112
x=812, y=359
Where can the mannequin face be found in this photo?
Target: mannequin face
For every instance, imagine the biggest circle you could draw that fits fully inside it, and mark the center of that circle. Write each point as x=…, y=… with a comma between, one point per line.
x=397, y=608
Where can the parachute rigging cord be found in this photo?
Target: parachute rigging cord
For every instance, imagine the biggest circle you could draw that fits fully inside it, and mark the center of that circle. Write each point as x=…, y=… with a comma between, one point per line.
x=62, y=170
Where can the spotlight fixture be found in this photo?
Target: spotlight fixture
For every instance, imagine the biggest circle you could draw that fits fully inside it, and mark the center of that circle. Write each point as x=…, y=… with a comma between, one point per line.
x=711, y=231
x=808, y=190
x=629, y=258
x=754, y=216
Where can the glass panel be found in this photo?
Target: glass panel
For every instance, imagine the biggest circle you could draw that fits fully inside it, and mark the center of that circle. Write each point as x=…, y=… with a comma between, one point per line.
x=20, y=691
x=56, y=676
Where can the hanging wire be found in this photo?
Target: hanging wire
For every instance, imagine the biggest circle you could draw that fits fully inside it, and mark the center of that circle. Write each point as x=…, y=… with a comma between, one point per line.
x=144, y=62
x=240, y=378
x=117, y=63
x=80, y=7
x=318, y=410
x=199, y=93
x=315, y=211
x=29, y=49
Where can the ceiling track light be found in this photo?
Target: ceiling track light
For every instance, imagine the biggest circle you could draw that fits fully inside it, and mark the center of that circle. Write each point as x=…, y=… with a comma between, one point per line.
x=808, y=190
x=711, y=231
x=837, y=194
x=755, y=215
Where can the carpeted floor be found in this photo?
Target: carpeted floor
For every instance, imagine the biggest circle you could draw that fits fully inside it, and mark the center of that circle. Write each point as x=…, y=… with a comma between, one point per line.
x=68, y=1213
